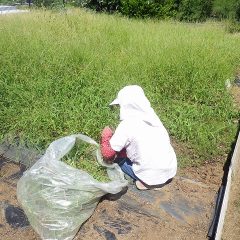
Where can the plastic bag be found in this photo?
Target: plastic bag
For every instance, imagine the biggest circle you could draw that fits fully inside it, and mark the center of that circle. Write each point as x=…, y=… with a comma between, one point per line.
x=58, y=198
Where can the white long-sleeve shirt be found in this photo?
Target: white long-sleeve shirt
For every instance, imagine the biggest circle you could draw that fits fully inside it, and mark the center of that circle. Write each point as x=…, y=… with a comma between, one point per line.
x=148, y=147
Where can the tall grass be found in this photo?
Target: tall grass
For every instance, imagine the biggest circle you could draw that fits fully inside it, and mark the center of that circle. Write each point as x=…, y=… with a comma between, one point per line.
x=59, y=72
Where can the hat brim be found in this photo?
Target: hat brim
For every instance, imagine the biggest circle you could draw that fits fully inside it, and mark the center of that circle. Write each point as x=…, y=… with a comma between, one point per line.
x=115, y=102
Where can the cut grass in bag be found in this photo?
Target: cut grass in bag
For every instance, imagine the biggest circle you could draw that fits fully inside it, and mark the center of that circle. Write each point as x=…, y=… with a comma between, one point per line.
x=82, y=157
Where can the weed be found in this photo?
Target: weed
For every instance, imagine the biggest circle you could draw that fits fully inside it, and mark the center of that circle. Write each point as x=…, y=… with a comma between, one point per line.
x=59, y=72
x=82, y=157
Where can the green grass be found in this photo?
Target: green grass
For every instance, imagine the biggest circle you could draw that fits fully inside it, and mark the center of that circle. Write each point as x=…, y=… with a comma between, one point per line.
x=59, y=71
x=83, y=157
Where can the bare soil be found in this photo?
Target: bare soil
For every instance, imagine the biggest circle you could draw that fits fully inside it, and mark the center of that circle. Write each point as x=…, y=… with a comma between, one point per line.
x=8, y=196
x=181, y=210
x=231, y=230
x=235, y=91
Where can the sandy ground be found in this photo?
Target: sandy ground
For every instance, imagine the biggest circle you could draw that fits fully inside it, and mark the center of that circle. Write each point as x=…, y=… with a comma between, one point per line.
x=181, y=210
x=235, y=91
x=231, y=227
x=231, y=230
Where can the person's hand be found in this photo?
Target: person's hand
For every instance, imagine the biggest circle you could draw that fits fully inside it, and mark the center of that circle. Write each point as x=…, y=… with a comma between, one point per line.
x=107, y=152
x=107, y=133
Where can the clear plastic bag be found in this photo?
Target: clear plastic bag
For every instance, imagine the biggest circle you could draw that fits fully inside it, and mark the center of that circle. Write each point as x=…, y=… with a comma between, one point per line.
x=58, y=198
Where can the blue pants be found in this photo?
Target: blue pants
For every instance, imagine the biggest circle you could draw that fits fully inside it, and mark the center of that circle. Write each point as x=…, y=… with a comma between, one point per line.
x=126, y=166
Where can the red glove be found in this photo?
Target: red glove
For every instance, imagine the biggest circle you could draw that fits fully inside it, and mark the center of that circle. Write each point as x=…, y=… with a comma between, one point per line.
x=107, y=152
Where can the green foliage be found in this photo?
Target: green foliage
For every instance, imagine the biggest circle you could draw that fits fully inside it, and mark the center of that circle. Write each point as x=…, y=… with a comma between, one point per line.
x=98, y=5
x=82, y=157
x=13, y=2
x=139, y=8
x=104, y=5
x=5, y=2
x=60, y=71
x=194, y=10
x=226, y=9
x=187, y=10
x=149, y=9
x=237, y=16
x=183, y=10
x=233, y=26
x=48, y=3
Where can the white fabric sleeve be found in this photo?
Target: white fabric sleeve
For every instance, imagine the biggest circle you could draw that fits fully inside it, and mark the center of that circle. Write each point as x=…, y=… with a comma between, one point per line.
x=120, y=138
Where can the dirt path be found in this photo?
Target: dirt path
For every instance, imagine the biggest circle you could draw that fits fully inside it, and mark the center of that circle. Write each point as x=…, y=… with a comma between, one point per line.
x=231, y=230
x=181, y=210
x=231, y=227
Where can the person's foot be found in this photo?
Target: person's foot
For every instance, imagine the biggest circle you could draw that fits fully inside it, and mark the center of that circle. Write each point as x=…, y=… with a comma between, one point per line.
x=140, y=186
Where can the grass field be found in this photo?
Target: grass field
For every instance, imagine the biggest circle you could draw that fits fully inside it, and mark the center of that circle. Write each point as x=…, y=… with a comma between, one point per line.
x=59, y=71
